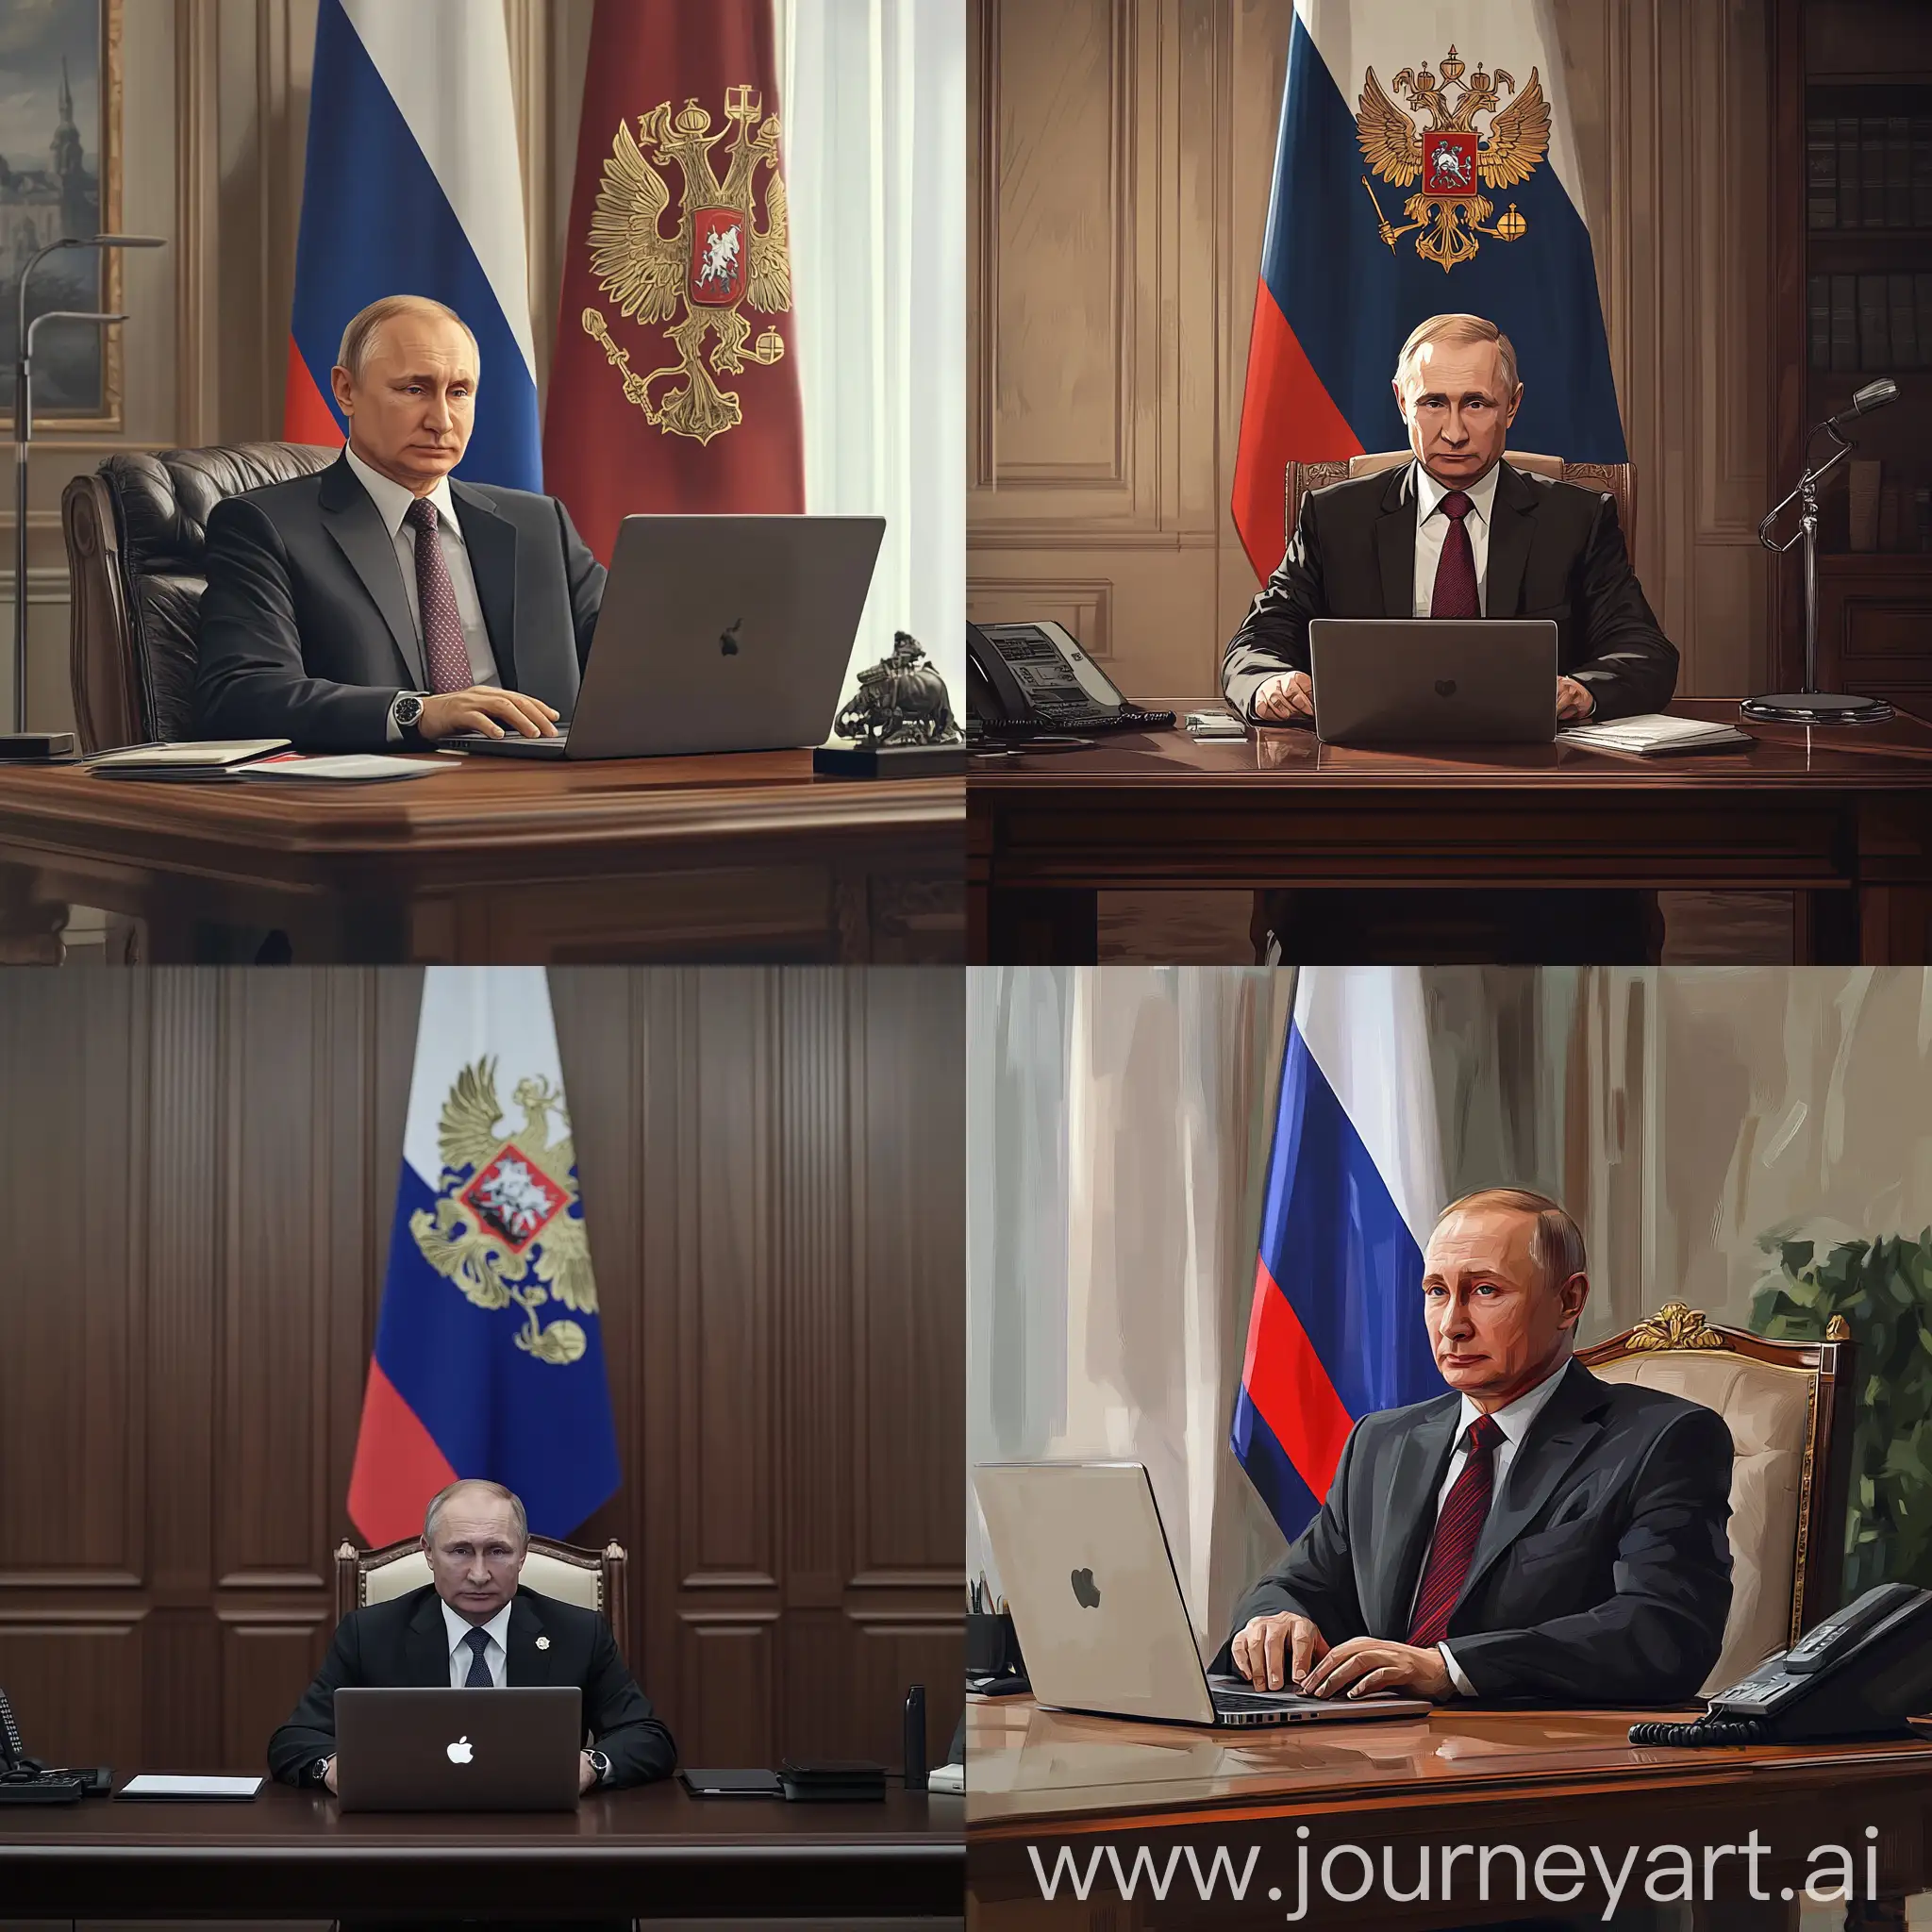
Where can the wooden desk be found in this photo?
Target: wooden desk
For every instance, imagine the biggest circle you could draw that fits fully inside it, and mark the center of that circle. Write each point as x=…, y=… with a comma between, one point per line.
x=1528, y=1778
x=1844, y=819
x=746, y=857
x=649, y=1854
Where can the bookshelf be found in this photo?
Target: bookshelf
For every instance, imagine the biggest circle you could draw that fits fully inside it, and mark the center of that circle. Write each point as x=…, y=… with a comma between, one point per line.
x=1851, y=236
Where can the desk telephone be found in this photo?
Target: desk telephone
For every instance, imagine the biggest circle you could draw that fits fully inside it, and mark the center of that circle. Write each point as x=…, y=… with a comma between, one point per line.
x=25, y=1781
x=1863, y=1671
x=1032, y=680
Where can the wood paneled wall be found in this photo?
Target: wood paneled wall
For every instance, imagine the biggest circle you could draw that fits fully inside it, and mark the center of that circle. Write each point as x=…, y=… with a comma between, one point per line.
x=197, y=1174
x=1119, y=174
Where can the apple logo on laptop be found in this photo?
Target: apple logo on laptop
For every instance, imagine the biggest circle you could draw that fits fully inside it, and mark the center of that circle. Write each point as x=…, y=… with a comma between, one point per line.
x=727, y=639
x=1445, y=686
x=459, y=1751
x=1085, y=1593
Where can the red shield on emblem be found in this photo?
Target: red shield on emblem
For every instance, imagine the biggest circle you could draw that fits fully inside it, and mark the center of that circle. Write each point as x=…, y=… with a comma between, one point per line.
x=1449, y=164
x=513, y=1198
x=717, y=256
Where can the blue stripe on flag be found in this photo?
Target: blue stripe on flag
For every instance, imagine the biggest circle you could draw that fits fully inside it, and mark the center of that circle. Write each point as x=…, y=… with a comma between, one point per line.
x=1340, y=1250
x=1351, y=301
x=375, y=222
x=1289, y=1500
x=494, y=1410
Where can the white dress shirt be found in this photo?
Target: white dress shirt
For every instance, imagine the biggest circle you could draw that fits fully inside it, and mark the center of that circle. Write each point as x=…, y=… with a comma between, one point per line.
x=495, y=1653
x=391, y=503
x=1513, y=1419
x=1432, y=531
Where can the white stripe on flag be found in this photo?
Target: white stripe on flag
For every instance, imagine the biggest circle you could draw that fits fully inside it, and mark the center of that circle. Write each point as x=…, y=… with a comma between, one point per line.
x=446, y=65
x=1366, y=1028
x=469, y=1012
x=1514, y=35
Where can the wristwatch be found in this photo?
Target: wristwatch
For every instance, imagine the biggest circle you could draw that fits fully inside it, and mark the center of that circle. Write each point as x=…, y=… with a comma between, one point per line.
x=405, y=713
x=318, y=1772
x=600, y=1764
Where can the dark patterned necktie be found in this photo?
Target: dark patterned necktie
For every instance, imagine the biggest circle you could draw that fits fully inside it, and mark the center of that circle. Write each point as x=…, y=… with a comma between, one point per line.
x=1455, y=593
x=443, y=650
x=479, y=1677
x=1457, y=1530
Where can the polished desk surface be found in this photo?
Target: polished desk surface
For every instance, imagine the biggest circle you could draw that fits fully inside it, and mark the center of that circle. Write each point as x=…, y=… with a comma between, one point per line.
x=1841, y=818
x=654, y=1852
x=352, y=868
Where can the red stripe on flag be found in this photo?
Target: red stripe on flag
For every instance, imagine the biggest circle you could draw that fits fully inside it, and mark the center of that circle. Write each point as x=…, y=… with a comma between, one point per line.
x=398, y=1466
x=1291, y=1389
x=306, y=416
x=1286, y=416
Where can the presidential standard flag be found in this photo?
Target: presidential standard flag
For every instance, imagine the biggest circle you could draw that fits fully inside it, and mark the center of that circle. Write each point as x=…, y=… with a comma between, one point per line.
x=411, y=188
x=1355, y=1180
x=1424, y=164
x=488, y=1360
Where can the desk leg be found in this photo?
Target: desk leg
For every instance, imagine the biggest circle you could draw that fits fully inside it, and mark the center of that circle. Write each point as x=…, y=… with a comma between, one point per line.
x=1894, y=926
x=30, y=925
x=1825, y=929
x=1029, y=927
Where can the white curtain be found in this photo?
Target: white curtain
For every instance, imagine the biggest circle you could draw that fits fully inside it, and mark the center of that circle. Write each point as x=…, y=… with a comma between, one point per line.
x=874, y=95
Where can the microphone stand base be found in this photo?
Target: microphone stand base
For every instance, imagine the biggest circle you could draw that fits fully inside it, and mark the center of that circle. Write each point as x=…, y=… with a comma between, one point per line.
x=1816, y=707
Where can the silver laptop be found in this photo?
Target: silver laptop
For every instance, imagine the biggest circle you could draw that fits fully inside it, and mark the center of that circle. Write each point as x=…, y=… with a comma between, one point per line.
x=1098, y=1609
x=448, y=1749
x=716, y=633
x=1433, y=680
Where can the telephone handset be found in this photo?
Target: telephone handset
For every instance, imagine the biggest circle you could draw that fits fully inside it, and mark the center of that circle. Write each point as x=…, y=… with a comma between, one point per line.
x=1029, y=679
x=25, y=1781
x=1865, y=1669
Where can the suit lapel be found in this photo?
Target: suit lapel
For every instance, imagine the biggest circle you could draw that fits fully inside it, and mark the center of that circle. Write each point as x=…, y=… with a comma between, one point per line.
x=491, y=541
x=1407, y=1503
x=350, y=518
x=1395, y=544
x=425, y=1644
x=1567, y=1425
x=527, y=1664
x=1512, y=530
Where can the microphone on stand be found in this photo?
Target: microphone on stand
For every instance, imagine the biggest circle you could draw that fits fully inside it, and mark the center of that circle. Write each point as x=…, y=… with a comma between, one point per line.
x=1875, y=395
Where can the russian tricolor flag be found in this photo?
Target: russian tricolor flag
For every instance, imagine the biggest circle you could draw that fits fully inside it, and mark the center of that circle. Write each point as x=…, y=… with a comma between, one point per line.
x=489, y=1354
x=1354, y=1181
x=1337, y=299
x=411, y=188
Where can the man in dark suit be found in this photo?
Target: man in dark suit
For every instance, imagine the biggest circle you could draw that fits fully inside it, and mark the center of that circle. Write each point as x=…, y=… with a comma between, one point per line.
x=377, y=603
x=473, y=1625
x=1535, y=1534
x=1458, y=532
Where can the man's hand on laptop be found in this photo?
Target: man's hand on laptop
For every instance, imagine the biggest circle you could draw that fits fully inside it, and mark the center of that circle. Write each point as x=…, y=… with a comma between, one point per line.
x=1574, y=701
x=1286, y=699
x=484, y=708
x=1276, y=1652
x=1364, y=1665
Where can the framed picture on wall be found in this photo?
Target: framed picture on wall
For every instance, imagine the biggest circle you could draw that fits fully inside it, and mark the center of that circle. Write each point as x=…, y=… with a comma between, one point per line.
x=61, y=174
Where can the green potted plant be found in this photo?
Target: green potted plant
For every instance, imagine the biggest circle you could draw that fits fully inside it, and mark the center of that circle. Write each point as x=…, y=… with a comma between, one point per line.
x=1883, y=1290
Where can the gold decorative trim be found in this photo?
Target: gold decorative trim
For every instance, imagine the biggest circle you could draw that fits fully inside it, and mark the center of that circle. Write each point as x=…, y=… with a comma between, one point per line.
x=1804, y=1473
x=1674, y=1325
x=1837, y=1329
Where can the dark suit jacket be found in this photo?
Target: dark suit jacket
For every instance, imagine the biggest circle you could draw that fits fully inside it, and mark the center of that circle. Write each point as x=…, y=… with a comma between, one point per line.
x=1603, y=1575
x=404, y=1642
x=305, y=631
x=1556, y=550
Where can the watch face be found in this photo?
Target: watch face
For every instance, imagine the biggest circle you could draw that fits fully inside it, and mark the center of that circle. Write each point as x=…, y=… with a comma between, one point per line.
x=409, y=708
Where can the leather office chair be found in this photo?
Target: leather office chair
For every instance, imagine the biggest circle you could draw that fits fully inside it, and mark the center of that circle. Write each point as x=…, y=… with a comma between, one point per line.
x=592, y=1579
x=137, y=545
x=1620, y=480
x=1788, y=1404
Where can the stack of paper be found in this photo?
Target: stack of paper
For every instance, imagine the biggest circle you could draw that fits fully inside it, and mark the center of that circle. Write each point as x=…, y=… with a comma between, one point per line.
x=209, y=754
x=1652, y=732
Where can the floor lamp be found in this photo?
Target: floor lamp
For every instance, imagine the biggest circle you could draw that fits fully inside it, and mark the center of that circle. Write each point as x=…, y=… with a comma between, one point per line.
x=24, y=431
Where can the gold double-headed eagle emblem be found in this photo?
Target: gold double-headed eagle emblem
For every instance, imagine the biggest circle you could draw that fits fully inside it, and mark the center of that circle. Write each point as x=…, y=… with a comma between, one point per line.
x=501, y=1229
x=714, y=263
x=1451, y=154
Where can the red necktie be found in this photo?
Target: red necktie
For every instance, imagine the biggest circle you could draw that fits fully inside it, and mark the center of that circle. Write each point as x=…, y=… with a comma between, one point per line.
x=1456, y=1531
x=1455, y=593
x=447, y=656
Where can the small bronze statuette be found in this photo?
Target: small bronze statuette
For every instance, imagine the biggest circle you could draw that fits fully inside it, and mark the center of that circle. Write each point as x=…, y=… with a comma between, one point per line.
x=900, y=721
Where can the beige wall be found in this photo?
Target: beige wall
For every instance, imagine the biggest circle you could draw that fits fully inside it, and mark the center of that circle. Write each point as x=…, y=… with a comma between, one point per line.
x=1119, y=163
x=215, y=122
